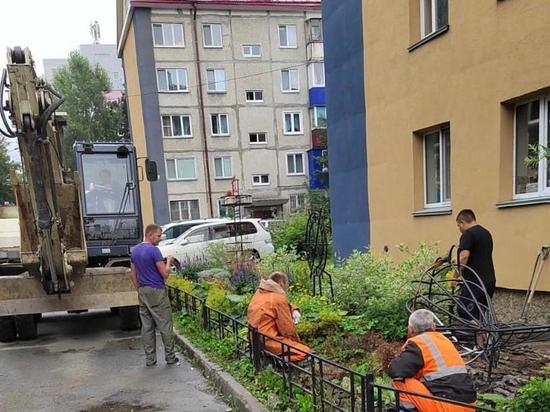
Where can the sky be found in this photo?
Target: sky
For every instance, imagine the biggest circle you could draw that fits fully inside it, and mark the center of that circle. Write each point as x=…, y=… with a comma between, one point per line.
x=53, y=28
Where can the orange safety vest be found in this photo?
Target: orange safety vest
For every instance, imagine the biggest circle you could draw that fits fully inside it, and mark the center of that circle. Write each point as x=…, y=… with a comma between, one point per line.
x=440, y=356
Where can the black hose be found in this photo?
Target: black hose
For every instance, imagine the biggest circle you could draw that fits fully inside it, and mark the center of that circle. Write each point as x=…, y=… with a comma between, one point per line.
x=9, y=132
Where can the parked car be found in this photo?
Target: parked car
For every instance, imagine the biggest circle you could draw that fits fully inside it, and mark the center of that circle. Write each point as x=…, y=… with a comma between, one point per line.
x=270, y=224
x=172, y=231
x=192, y=244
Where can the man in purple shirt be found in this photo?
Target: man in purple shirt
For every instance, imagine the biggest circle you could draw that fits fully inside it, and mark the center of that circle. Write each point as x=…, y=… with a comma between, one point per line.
x=149, y=273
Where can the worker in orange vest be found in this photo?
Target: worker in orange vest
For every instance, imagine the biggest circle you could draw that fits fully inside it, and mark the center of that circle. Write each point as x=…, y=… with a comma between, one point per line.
x=430, y=364
x=270, y=312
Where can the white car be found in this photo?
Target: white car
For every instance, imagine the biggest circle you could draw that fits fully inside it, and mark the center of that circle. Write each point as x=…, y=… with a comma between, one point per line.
x=172, y=231
x=193, y=244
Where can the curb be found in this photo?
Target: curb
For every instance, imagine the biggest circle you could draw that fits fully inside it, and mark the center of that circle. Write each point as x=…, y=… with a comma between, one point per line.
x=222, y=380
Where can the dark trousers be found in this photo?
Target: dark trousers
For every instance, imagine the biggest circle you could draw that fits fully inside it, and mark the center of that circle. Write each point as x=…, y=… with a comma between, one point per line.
x=468, y=309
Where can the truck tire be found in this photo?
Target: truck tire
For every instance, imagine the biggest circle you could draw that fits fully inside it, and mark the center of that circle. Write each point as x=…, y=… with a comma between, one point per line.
x=26, y=327
x=129, y=318
x=7, y=329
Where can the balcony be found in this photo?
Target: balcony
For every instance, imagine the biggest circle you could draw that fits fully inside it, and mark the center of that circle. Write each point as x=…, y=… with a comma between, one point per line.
x=314, y=51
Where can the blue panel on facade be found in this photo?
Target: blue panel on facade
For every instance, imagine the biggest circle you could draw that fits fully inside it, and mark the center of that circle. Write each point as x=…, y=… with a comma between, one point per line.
x=315, y=168
x=342, y=25
x=317, y=96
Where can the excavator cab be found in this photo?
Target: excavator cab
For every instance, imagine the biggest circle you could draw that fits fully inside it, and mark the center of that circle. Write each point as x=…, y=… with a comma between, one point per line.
x=110, y=201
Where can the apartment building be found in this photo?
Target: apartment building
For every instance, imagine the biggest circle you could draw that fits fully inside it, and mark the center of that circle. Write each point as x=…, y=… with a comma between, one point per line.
x=449, y=96
x=219, y=90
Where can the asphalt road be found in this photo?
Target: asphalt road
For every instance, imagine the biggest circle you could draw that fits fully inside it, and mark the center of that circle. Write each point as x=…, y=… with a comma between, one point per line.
x=83, y=362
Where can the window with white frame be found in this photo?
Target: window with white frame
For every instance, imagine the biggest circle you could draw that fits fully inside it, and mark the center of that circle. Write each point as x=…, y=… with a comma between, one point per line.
x=437, y=168
x=295, y=164
x=168, y=35
x=434, y=15
x=223, y=168
x=319, y=117
x=172, y=80
x=257, y=138
x=254, y=96
x=290, y=80
x=324, y=155
x=216, y=80
x=184, y=210
x=181, y=169
x=532, y=120
x=287, y=36
x=315, y=30
x=317, y=73
x=219, y=124
x=297, y=201
x=212, y=35
x=292, y=123
x=260, y=180
x=176, y=126
x=224, y=211
x=252, y=50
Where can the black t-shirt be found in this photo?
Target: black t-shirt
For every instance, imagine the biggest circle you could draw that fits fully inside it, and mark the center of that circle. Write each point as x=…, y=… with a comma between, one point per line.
x=479, y=242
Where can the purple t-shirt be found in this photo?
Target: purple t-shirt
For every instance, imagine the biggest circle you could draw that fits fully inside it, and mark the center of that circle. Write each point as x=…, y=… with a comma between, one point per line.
x=145, y=257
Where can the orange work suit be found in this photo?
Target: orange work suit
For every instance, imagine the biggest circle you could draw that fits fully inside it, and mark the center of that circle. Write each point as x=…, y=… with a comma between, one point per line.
x=270, y=312
x=441, y=360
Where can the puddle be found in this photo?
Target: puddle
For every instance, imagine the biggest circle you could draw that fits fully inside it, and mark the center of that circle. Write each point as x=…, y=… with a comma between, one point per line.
x=121, y=407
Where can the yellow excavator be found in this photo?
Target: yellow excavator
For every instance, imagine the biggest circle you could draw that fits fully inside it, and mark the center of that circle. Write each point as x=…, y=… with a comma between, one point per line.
x=69, y=221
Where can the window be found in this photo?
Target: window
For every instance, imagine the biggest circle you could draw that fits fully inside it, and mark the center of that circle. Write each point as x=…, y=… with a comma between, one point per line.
x=172, y=80
x=167, y=34
x=437, y=168
x=260, y=180
x=223, y=168
x=319, y=117
x=287, y=36
x=434, y=15
x=317, y=73
x=257, y=138
x=199, y=235
x=219, y=124
x=241, y=228
x=254, y=96
x=224, y=211
x=315, y=30
x=212, y=35
x=216, y=80
x=252, y=50
x=184, y=210
x=297, y=201
x=181, y=169
x=292, y=123
x=290, y=80
x=295, y=163
x=532, y=128
x=176, y=126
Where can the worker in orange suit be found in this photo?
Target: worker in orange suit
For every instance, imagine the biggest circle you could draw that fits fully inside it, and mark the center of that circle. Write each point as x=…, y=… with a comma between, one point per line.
x=430, y=364
x=271, y=314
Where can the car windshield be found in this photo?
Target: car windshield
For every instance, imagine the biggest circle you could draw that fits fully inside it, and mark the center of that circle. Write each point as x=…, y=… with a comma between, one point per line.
x=106, y=180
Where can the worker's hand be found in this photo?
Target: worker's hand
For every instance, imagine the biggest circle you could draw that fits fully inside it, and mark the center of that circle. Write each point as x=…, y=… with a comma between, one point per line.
x=169, y=260
x=296, y=316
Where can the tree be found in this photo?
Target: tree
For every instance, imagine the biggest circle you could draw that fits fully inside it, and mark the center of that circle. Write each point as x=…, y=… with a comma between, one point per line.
x=89, y=116
x=6, y=164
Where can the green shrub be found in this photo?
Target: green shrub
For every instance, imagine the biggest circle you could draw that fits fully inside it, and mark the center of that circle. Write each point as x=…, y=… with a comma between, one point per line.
x=376, y=288
x=216, y=298
x=533, y=397
x=292, y=233
x=190, y=269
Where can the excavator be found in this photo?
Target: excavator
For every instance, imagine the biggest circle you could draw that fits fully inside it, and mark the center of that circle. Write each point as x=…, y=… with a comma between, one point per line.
x=77, y=228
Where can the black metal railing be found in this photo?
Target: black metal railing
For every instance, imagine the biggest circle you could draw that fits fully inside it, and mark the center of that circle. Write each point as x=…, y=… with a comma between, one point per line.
x=331, y=386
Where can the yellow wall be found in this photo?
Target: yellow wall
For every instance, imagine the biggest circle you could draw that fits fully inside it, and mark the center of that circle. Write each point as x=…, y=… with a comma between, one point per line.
x=494, y=51
x=131, y=67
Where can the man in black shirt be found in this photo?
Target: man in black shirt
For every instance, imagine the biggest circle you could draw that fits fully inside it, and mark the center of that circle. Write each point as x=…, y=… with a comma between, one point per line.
x=476, y=251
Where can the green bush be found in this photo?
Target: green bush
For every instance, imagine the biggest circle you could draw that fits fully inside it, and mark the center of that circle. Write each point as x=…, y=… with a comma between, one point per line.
x=377, y=288
x=533, y=397
x=292, y=233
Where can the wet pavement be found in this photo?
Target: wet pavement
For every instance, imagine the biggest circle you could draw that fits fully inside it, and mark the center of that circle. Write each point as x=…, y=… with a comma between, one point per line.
x=83, y=362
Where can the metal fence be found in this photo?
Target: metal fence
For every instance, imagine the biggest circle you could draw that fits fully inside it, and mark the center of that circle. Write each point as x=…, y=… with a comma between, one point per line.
x=331, y=386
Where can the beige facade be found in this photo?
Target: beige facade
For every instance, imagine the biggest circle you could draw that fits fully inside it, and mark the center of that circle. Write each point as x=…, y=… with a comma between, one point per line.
x=470, y=76
x=201, y=146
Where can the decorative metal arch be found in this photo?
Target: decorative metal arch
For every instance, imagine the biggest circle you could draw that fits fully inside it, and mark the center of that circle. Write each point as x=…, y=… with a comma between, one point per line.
x=317, y=252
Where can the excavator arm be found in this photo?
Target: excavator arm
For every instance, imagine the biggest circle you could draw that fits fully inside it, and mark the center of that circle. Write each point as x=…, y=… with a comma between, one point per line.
x=53, y=245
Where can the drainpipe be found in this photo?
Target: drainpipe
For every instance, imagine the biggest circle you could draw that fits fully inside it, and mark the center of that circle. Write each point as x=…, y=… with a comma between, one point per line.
x=202, y=114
